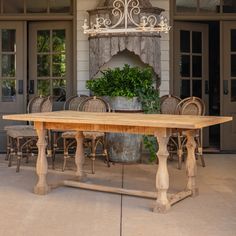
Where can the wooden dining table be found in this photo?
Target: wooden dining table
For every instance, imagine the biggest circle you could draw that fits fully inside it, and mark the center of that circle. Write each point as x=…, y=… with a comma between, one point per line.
x=159, y=125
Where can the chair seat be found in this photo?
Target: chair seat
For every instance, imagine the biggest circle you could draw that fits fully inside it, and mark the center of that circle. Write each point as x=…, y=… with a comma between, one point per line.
x=90, y=135
x=18, y=127
x=93, y=134
x=25, y=132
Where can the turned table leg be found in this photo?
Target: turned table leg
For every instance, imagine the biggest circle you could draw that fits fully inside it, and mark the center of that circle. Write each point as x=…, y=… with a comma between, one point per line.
x=162, y=203
x=41, y=187
x=79, y=155
x=191, y=167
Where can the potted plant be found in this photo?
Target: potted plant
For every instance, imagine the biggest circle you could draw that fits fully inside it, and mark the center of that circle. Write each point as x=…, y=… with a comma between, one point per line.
x=127, y=89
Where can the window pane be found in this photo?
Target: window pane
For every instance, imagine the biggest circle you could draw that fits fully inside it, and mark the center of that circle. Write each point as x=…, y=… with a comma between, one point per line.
x=43, y=87
x=197, y=42
x=43, y=66
x=8, y=40
x=233, y=90
x=59, y=89
x=8, y=65
x=233, y=65
x=184, y=41
x=229, y=6
x=185, y=66
x=233, y=40
x=185, y=89
x=186, y=6
x=58, y=65
x=60, y=6
x=8, y=90
x=197, y=88
x=13, y=6
x=43, y=41
x=209, y=5
x=197, y=66
x=58, y=40
x=36, y=6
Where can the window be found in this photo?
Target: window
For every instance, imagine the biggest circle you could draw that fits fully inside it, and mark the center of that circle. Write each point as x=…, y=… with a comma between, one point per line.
x=205, y=6
x=16, y=7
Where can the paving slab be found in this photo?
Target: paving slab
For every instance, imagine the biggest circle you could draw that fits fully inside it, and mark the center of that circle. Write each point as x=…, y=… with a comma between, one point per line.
x=65, y=211
x=69, y=211
x=213, y=212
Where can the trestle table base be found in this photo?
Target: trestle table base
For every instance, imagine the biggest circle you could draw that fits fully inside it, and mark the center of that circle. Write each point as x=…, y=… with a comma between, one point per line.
x=163, y=199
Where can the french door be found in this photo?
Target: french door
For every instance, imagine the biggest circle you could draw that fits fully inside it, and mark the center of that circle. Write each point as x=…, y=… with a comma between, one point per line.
x=228, y=84
x=12, y=73
x=50, y=60
x=191, y=63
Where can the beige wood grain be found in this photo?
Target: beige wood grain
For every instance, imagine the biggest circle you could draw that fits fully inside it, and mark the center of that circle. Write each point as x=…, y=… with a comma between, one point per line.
x=122, y=119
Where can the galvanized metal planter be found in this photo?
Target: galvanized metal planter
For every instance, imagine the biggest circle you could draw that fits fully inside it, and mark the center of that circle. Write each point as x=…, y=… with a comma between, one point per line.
x=124, y=147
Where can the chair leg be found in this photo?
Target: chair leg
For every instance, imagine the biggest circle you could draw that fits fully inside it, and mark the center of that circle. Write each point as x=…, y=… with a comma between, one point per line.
x=54, y=149
x=50, y=148
x=64, y=164
x=200, y=153
x=199, y=147
x=19, y=155
x=107, y=157
x=65, y=153
x=105, y=152
x=180, y=153
x=10, y=157
x=8, y=148
x=27, y=155
x=93, y=154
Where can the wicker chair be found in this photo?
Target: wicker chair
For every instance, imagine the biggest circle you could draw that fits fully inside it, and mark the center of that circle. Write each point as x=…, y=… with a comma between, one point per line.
x=72, y=103
x=24, y=137
x=168, y=104
x=91, y=139
x=188, y=106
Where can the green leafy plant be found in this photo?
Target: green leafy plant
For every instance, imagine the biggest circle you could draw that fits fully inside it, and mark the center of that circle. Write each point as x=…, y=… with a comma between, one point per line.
x=127, y=82
x=130, y=82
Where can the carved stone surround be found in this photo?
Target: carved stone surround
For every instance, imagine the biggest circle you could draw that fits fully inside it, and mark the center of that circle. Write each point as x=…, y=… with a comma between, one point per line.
x=103, y=48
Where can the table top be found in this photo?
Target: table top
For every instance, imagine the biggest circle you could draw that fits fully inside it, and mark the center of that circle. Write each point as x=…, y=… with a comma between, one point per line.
x=122, y=119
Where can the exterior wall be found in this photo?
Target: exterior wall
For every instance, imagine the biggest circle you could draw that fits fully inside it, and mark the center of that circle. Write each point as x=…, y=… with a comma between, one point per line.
x=83, y=48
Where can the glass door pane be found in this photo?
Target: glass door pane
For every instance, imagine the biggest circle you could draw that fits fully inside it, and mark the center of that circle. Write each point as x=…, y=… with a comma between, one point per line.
x=208, y=6
x=51, y=60
x=8, y=65
x=186, y=6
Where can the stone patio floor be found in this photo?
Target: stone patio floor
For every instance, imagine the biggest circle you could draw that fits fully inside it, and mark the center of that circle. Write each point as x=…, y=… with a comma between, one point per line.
x=69, y=211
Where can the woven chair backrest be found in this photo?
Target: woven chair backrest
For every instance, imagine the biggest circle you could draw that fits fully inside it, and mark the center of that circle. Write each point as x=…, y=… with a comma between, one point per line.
x=46, y=105
x=34, y=104
x=94, y=104
x=183, y=108
x=67, y=102
x=76, y=101
x=192, y=107
x=168, y=104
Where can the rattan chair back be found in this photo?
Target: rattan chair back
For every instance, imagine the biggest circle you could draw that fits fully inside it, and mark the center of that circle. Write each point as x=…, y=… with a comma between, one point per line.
x=76, y=101
x=46, y=105
x=168, y=104
x=67, y=102
x=192, y=107
x=94, y=104
x=34, y=105
x=197, y=107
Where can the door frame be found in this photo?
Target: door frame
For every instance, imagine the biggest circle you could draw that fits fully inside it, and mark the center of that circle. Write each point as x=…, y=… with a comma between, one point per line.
x=223, y=73
x=176, y=85
x=19, y=105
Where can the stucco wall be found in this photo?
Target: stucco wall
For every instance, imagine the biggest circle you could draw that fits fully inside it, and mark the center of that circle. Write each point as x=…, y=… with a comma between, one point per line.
x=83, y=47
